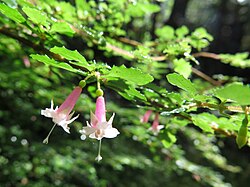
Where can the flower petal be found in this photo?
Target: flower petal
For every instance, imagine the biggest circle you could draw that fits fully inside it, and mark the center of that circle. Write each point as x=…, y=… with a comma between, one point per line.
x=48, y=112
x=111, y=133
x=87, y=130
x=93, y=119
x=64, y=125
x=69, y=103
x=111, y=119
x=73, y=119
x=160, y=127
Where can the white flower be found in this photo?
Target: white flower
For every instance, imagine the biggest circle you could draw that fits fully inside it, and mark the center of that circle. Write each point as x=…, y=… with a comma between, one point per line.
x=62, y=115
x=98, y=130
x=60, y=118
x=99, y=127
x=156, y=130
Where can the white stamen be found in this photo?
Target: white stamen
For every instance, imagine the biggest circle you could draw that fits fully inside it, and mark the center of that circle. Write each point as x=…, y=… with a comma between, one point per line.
x=46, y=140
x=99, y=157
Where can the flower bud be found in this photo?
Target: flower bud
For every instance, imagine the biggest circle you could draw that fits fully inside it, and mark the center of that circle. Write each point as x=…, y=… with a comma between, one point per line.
x=99, y=92
x=82, y=83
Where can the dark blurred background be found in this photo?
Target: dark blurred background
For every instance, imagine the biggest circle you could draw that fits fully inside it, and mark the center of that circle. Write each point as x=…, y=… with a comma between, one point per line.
x=227, y=20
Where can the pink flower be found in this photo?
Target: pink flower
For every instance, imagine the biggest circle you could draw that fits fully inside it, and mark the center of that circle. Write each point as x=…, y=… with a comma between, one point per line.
x=62, y=115
x=99, y=128
x=146, y=116
x=155, y=128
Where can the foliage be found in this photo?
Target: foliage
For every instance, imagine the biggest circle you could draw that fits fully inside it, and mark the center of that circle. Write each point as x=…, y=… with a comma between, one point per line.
x=48, y=46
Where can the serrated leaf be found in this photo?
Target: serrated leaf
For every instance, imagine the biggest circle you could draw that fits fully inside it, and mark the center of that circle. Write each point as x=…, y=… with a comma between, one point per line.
x=62, y=28
x=200, y=38
x=125, y=90
x=201, y=33
x=181, y=82
x=77, y=58
x=69, y=54
x=36, y=16
x=182, y=67
x=11, y=13
x=130, y=74
x=204, y=121
x=236, y=92
x=48, y=61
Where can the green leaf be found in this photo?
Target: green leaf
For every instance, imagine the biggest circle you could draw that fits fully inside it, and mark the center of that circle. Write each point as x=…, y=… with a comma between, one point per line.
x=236, y=92
x=130, y=74
x=169, y=140
x=83, y=8
x=51, y=62
x=201, y=33
x=62, y=28
x=200, y=38
x=11, y=13
x=165, y=33
x=150, y=8
x=125, y=90
x=69, y=54
x=175, y=49
x=204, y=121
x=141, y=8
x=242, y=136
x=36, y=16
x=72, y=55
x=238, y=60
x=181, y=32
x=181, y=82
x=182, y=67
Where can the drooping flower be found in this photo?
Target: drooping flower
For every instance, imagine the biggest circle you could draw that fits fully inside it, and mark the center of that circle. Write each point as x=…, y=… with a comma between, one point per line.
x=146, y=116
x=155, y=128
x=62, y=115
x=99, y=128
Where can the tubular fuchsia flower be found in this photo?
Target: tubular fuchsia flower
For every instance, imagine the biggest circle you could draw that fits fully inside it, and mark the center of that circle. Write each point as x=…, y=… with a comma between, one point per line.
x=99, y=128
x=155, y=128
x=146, y=116
x=62, y=115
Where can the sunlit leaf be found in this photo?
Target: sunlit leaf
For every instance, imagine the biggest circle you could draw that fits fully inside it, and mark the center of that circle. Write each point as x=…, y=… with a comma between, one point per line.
x=204, y=121
x=69, y=54
x=36, y=16
x=236, y=92
x=182, y=67
x=181, y=82
x=62, y=28
x=130, y=74
x=51, y=62
x=11, y=13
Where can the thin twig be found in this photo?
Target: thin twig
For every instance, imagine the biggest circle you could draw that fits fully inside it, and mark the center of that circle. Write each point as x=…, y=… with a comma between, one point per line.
x=207, y=55
x=120, y=51
x=205, y=77
x=129, y=41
